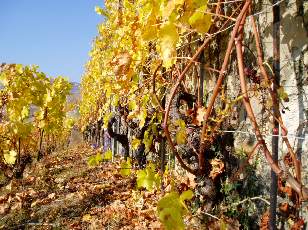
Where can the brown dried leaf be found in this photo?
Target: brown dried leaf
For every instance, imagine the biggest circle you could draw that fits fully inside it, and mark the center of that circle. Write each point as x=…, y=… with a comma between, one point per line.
x=299, y=224
x=264, y=225
x=217, y=168
x=284, y=207
x=200, y=116
x=284, y=189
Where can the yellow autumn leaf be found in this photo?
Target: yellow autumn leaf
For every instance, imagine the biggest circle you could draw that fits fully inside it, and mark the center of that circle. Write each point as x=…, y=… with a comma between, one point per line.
x=24, y=112
x=10, y=157
x=180, y=123
x=132, y=105
x=101, y=11
x=108, y=155
x=181, y=136
x=87, y=218
x=126, y=167
x=142, y=115
x=135, y=143
x=168, y=38
x=171, y=5
x=150, y=29
x=200, y=20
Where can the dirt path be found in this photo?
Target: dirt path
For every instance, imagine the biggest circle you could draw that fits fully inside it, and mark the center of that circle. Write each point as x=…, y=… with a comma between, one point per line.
x=63, y=192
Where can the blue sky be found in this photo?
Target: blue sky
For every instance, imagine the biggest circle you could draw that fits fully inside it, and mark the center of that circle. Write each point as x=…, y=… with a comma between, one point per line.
x=54, y=34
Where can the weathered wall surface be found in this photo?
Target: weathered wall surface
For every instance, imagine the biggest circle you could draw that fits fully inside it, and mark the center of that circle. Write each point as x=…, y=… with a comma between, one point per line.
x=294, y=79
x=294, y=71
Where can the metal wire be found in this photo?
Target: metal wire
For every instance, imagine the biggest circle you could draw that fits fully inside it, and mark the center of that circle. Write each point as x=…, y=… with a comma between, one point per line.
x=264, y=135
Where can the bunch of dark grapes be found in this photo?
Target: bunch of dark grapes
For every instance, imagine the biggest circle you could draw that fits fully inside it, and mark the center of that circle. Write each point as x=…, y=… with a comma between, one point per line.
x=252, y=75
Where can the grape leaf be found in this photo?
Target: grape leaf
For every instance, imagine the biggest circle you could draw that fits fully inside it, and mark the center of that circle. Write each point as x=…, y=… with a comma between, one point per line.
x=135, y=143
x=200, y=20
x=282, y=94
x=142, y=115
x=180, y=123
x=181, y=136
x=147, y=178
x=172, y=219
x=168, y=38
x=101, y=11
x=147, y=140
x=95, y=160
x=150, y=29
x=19, y=68
x=171, y=209
x=10, y=157
x=108, y=155
x=186, y=195
x=126, y=168
x=25, y=112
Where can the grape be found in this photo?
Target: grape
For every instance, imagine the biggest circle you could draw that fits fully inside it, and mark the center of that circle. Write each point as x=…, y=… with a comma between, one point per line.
x=252, y=75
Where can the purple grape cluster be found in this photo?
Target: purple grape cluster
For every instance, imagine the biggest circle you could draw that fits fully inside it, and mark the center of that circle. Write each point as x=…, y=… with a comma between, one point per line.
x=252, y=75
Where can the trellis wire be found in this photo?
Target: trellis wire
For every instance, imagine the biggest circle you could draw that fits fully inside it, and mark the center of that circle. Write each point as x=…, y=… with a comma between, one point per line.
x=264, y=135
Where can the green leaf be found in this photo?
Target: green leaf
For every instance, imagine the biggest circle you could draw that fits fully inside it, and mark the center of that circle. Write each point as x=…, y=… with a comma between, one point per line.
x=147, y=178
x=126, y=168
x=10, y=157
x=108, y=155
x=200, y=20
x=172, y=219
x=171, y=209
x=282, y=94
x=186, y=195
x=95, y=160
x=181, y=134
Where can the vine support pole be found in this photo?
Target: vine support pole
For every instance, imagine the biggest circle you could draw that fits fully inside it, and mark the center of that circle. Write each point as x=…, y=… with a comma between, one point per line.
x=162, y=150
x=275, y=139
x=201, y=79
x=286, y=175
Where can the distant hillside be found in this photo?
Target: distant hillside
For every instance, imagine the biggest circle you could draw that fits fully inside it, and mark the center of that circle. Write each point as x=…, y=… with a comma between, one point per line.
x=75, y=90
x=74, y=97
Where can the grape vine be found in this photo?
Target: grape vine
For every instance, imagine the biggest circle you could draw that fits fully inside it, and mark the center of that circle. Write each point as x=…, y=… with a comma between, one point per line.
x=33, y=111
x=149, y=53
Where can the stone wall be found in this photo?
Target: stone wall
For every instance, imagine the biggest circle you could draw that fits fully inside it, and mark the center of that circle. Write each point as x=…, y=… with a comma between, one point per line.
x=294, y=79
